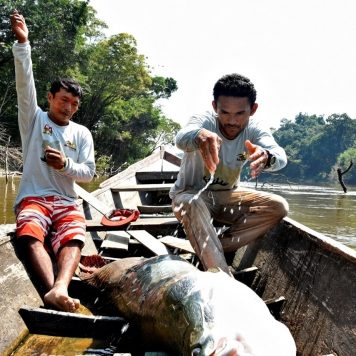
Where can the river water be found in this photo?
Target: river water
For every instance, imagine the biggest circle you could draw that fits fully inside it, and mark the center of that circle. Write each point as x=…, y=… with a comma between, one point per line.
x=322, y=208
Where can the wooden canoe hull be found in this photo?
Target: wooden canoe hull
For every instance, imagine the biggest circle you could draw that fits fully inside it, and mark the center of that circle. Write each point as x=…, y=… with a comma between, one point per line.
x=314, y=275
x=317, y=277
x=16, y=290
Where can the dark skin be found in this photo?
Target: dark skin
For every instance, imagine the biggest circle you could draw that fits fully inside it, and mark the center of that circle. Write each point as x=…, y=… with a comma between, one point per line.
x=62, y=106
x=53, y=289
x=54, y=158
x=233, y=116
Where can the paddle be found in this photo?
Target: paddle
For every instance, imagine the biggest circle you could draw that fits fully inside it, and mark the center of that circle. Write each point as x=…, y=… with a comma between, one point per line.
x=94, y=202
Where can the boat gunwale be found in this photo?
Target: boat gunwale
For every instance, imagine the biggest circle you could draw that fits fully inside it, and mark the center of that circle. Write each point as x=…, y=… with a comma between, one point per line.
x=325, y=242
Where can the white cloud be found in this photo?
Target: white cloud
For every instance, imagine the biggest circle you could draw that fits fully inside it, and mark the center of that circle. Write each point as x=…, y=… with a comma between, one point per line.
x=300, y=54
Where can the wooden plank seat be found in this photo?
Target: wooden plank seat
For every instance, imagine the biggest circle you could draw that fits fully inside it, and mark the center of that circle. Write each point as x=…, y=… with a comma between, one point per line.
x=93, y=225
x=159, y=176
x=142, y=187
x=146, y=239
x=154, y=209
x=177, y=243
x=116, y=240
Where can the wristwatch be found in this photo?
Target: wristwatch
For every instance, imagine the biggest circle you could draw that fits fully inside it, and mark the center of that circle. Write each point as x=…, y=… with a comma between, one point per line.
x=271, y=159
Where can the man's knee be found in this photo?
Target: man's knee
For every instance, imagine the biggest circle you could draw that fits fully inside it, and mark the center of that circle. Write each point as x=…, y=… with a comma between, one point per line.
x=27, y=245
x=27, y=242
x=281, y=206
x=75, y=243
x=182, y=207
x=73, y=246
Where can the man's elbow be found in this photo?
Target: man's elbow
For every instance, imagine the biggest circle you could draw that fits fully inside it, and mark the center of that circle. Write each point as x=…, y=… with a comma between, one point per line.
x=88, y=177
x=282, y=162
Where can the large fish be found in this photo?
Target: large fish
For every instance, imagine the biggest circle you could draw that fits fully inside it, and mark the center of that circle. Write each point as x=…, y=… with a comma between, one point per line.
x=192, y=312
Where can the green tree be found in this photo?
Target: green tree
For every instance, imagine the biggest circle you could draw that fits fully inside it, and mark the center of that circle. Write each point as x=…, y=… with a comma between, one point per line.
x=296, y=137
x=338, y=135
x=163, y=87
x=113, y=71
x=58, y=32
x=315, y=146
x=343, y=162
x=132, y=129
x=119, y=105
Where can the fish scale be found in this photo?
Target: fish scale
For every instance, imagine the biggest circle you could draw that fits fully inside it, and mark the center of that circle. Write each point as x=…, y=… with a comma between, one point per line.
x=184, y=309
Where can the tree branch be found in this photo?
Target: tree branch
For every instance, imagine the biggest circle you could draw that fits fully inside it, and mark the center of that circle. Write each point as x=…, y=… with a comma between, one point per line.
x=340, y=174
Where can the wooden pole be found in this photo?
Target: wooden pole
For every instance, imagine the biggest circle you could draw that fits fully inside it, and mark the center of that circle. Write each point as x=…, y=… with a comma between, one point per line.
x=340, y=174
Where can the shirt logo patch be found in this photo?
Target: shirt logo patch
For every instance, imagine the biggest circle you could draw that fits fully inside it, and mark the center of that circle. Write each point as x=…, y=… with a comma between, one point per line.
x=47, y=130
x=216, y=181
x=71, y=145
x=242, y=156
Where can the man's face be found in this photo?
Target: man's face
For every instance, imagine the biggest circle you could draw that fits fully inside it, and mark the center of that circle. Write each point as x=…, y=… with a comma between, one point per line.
x=62, y=106
x=233, y=114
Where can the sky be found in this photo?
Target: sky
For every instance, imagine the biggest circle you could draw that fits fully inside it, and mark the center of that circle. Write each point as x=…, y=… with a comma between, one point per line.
x=300, y=55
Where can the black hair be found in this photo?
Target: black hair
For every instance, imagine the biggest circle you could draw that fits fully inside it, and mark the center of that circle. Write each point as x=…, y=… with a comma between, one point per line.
x=235, y=85
x=69, y=84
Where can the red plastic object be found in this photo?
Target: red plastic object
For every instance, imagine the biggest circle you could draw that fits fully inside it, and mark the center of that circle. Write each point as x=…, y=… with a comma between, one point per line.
x=120, y=217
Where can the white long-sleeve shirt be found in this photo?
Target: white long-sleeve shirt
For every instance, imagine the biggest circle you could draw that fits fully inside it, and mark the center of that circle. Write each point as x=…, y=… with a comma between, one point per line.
x=194, y=176
x=37, y=131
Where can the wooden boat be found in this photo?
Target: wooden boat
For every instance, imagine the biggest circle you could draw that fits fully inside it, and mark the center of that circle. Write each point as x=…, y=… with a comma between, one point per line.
x=307, y=279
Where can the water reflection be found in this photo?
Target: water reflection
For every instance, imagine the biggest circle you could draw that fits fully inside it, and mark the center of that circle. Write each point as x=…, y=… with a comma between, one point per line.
x=325, y=209
x=8, y=192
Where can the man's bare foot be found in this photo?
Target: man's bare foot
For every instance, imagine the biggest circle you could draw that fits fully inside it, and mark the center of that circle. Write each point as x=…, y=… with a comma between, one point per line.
x=58, y=298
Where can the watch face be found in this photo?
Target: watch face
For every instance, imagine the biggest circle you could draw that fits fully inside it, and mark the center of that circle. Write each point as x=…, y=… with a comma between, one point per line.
x=273, y=160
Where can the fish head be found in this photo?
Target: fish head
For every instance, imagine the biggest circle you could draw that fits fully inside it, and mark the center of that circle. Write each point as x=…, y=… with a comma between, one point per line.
x=219, y=346
x=209, y=332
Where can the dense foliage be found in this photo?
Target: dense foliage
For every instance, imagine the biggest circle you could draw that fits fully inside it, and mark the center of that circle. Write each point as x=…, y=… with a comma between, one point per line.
x=318, y=146
x=120, y=103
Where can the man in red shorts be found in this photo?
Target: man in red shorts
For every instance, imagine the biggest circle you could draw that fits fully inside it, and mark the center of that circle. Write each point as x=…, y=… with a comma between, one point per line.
x=56, y=153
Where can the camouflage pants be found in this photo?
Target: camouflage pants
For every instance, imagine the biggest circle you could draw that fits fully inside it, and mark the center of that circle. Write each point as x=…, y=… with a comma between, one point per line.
x=249, y=213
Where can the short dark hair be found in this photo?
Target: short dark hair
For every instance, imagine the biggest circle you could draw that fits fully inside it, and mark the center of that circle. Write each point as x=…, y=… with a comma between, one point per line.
x=235, y=85
x=69, y=84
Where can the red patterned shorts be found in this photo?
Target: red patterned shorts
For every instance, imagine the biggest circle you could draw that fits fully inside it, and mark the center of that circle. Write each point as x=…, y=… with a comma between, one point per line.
x=50, y=217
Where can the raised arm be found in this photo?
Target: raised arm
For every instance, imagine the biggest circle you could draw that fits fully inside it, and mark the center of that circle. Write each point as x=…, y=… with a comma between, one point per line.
x=19, y=27
x=25, y=86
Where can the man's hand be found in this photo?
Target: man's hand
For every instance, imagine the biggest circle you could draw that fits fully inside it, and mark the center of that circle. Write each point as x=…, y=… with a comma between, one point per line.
x=54, y=158
x=258, y=157
x=209, y=145
x=19, y=27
